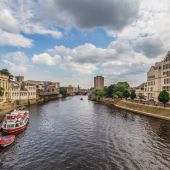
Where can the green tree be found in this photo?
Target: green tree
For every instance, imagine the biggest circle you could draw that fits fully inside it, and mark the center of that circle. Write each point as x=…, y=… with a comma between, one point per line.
x=63, y=91
x=118, y=94
x=122, y=86
x=1, y=91
x=163, y=97
x=100, y=93
x=141, y=96
x=126, y=94
x=5, y=72
x=133, y=95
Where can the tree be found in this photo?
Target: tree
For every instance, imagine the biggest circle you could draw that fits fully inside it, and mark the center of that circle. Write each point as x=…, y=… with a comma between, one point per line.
x=1, y=91
x=100, y=93
x=133, y=95
x=141, y=96
x=110, y=90
x=63, y=91
x=118, y=94
x=5, y=72
x=126, y=94
x=164, y=97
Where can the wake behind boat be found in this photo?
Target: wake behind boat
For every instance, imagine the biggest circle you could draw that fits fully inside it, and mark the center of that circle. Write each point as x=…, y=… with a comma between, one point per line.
x=16, y=121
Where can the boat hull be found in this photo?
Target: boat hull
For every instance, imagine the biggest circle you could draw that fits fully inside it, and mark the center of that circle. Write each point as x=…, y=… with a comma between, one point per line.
x=14, y=130
x=7, y=140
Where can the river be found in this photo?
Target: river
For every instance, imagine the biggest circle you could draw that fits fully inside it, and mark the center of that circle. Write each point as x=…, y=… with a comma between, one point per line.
x=74, y=134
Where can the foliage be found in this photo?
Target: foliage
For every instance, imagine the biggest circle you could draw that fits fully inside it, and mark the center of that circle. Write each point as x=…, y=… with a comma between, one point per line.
x=120, y=88
x=163, y=97
x=126, y=94
x=5, y=72
x=141, y=96
x=1, y=91
x=133, y=95
x=118, y=94
x=114, y=90
x=63, y=91
x=100, y=93
x=110, y=90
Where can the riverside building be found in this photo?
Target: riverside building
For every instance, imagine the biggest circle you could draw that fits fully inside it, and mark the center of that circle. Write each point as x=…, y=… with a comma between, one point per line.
x=98, y=82
x=4, y=83
x=158, y=78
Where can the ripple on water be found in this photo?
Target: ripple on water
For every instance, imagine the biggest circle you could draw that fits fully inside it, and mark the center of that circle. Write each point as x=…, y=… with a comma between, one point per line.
x=74, y=134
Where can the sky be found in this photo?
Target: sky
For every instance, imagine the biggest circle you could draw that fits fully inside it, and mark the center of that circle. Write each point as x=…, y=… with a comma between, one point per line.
x=71, y=41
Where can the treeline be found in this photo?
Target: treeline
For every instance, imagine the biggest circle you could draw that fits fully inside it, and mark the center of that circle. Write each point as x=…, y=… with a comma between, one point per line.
x=119, y=90
x=122, y=90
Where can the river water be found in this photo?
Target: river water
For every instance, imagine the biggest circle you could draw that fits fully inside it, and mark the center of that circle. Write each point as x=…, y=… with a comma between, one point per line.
x=75, y=134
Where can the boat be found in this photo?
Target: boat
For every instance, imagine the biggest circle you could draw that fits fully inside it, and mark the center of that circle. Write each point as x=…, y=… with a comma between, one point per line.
x=6, y=140
x=81, y=98
x=16, y=121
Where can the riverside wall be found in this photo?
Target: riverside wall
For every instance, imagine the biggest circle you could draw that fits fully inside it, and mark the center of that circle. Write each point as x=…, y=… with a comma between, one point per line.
x=147, y=110
x=8, y=107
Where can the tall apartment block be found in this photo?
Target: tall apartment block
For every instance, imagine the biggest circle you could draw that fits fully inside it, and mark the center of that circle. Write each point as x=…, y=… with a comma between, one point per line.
x=98, y=82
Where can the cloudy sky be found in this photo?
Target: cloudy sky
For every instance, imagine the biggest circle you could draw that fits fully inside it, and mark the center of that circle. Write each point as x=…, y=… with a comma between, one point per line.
x=71, y=41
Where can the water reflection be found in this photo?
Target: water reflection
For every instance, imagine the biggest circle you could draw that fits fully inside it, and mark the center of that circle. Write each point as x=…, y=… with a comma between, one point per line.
x=74, y=134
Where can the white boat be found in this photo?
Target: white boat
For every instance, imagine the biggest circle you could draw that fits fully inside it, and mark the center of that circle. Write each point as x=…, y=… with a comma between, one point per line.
x=16, y=121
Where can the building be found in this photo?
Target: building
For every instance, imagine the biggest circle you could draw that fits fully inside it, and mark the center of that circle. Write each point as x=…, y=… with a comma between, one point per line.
x=21, y=91
x=158, y=78
x=98, y=83
x=141, y=89
x=71, y=90
x=4, y=84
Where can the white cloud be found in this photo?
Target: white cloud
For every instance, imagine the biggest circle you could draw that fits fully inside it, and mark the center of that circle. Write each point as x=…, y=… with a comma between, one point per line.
x=45, y=58
x=17, y=62
x=15, y=68
x=18, y=56
x=14, y=39
x=79, y=68
x=8, y=22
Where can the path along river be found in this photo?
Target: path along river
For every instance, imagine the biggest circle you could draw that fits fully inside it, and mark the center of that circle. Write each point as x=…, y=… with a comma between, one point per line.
x=75, y=134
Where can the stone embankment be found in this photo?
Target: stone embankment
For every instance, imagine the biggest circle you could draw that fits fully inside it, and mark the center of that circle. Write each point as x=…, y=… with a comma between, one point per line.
x=8, y=107
x=148, y=110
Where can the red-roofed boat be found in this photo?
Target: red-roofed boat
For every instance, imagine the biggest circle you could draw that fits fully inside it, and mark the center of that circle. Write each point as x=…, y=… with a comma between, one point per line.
x=16, y=121
x=6, y=140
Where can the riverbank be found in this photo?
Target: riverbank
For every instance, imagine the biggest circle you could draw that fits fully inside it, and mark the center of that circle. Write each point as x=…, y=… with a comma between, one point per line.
x=152, y=111
x=8, y=107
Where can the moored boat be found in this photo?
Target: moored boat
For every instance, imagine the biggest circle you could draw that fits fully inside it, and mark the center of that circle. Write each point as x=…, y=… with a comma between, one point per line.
x=16, y=121
x=6, y=140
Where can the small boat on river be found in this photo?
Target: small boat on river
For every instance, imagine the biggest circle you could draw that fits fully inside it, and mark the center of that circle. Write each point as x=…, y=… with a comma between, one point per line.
x=16, y=121
x=6, y=140
x=81, y=98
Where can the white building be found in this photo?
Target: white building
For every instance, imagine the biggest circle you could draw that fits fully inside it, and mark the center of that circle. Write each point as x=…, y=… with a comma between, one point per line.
x=20, y=91
x=158, y=78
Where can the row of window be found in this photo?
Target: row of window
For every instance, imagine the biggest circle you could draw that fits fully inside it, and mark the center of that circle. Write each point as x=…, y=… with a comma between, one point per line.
x=151, y=83
x=167, y=88
x=168, y=58
x=151, y=77
x=23, y=94
x=31, y=88
x=166, y=81
x=166, y=73
x=149, y=89
x=166, y=66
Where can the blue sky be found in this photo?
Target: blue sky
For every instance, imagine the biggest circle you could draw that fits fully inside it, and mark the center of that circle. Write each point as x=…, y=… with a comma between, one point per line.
x=72, y=41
